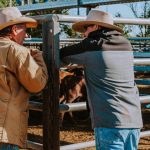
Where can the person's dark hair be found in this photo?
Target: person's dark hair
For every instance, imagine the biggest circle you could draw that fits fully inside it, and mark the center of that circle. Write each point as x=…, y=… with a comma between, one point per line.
x=6, y=31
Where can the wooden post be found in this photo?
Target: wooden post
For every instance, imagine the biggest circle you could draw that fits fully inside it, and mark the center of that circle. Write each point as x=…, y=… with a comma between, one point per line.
x=51, y=93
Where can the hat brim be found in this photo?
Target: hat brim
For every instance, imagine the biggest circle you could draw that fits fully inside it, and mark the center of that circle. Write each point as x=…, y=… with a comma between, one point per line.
x=80, y=26
x=30, y=23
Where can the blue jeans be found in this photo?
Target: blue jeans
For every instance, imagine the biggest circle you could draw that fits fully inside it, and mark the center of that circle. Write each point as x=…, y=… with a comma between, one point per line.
x=5, y=146
x=116, y=138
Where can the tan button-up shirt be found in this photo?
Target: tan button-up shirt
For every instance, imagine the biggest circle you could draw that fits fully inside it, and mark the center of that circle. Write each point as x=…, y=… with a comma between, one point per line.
x=22, y=71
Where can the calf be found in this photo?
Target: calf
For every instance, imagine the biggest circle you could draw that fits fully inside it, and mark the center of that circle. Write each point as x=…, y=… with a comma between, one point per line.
x=72, y=89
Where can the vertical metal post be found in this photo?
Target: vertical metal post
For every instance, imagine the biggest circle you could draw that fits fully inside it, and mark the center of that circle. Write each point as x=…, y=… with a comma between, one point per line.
x=10, y=3
x=28, y=2
x=78, y=8
x=87, y=10
x=51, y=93
x=22, y=2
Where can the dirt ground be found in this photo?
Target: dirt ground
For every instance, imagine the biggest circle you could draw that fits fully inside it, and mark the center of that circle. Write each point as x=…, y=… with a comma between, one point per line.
x=82, y=132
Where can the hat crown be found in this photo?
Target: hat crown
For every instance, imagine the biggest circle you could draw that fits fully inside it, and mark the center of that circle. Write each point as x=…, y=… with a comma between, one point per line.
x=12, y=15
x=99, y=16
x=96, y=17
x=9, y=14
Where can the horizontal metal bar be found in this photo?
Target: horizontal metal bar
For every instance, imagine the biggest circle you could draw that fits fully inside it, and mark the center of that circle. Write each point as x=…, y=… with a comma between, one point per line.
x=143, y=81
x=34, y=145
x=139, y=38
x=48, y=6
x=66, y=4
x=78, y=146
x=39, y=40
x=147, y=106
x=33, y=40
x=80, y=106
x=73, y=19
x=137, y=21
x=106, y=2
x=142, y=68
x=37, y=106
x=145, y=99
x=70, y=18
x=141, y=54
x=73, y=107
x=142, y=61
x=145, y=134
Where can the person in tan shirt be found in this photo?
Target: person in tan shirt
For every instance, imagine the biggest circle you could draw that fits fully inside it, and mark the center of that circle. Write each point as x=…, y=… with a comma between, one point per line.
x=22, y=71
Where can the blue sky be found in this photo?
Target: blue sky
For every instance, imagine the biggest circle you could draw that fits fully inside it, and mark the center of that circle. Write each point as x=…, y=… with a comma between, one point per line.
x=123, y=9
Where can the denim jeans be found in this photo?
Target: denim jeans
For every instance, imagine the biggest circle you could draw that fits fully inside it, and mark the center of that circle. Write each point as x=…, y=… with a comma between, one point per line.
x=116, y=138
x=4, y=146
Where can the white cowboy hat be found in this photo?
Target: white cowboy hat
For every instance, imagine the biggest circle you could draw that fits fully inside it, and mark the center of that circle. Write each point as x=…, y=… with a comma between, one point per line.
x=11, y=15
x=96, y=17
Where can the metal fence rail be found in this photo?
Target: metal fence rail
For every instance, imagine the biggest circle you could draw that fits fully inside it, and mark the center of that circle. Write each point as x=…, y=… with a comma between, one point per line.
x=66, y=4
x=143, y=81
x=140, y=46
x=80, y=106
x=142, y=68
x=141, y=55
x=142, y=61
x=39, y=40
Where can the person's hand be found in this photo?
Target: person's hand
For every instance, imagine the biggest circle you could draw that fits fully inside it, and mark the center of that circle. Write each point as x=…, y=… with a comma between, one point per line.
x=37, y=55
x=35, y=52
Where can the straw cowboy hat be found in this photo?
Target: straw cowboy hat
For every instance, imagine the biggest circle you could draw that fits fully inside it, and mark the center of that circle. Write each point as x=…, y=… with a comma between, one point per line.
x=96, y=17
x=11, y=15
